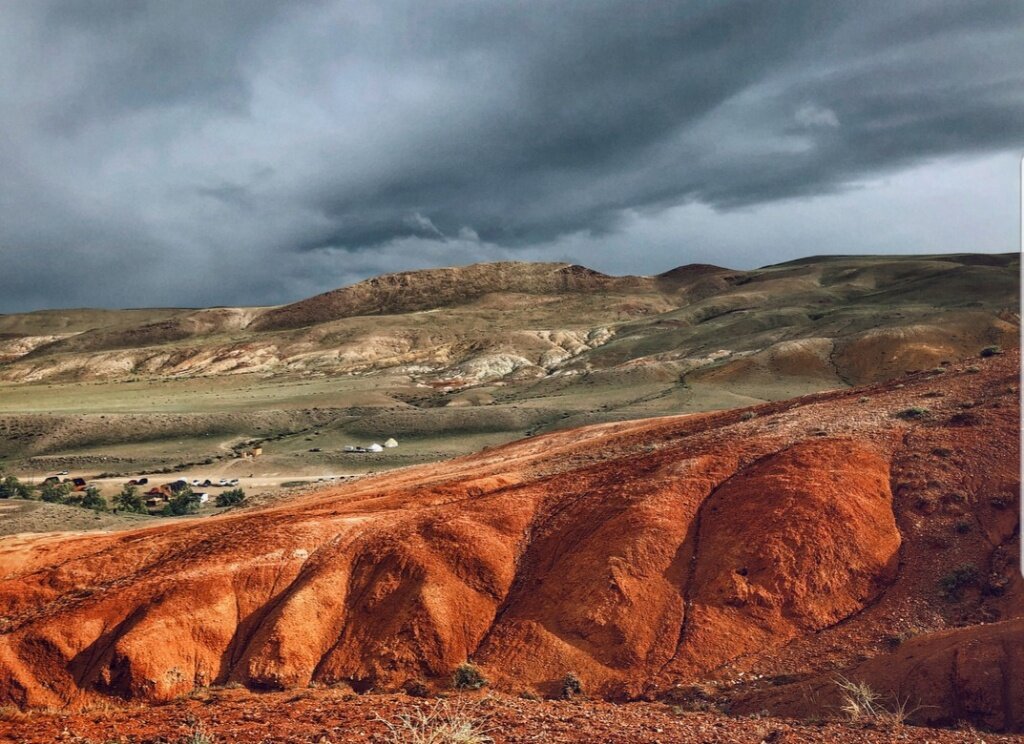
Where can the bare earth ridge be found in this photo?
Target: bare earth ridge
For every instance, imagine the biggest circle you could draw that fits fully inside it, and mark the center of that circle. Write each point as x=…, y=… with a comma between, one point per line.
x=757, y=553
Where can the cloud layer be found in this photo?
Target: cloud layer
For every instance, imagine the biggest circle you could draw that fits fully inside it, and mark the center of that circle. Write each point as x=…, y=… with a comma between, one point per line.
x=208, y=152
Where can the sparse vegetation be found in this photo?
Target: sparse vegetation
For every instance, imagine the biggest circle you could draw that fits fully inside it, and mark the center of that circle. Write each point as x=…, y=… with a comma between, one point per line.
x=198, y=735
x=991, y=351
x=747, y=415
x=954, y=583
x=860, y=702
x=230, y=498
x=914, y=412
x=445, y=722
x=468, y=676
x=571, y=686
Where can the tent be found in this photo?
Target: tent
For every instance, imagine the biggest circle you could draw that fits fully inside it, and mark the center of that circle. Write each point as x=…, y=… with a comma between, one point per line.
x=390, y=442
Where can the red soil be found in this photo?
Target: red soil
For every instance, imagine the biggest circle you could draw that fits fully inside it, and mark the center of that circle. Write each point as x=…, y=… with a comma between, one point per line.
x=641, y=556
x=336, y=716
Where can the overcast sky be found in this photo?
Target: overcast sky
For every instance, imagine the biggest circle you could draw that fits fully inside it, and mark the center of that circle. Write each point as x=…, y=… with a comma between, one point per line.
x=218, y=153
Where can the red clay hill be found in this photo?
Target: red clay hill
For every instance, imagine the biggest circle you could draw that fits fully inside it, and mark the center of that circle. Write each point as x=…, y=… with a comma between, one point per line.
x=758, y=553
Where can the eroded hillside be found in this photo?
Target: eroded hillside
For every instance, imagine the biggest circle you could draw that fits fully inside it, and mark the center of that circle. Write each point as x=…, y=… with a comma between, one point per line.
x=787, y=541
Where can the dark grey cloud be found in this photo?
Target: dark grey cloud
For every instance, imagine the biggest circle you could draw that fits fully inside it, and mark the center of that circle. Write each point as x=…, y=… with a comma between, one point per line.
x=251, y=152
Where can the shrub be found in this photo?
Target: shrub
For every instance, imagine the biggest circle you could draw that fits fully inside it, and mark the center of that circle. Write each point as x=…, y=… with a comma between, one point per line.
x=963, y=527
x=571, y=686
x=468, y=676
x=230, y=498
x=747, y=415
x=858, y=700
x=991, y=351
x=915, y=412
x=130, y=500
x=954, y=583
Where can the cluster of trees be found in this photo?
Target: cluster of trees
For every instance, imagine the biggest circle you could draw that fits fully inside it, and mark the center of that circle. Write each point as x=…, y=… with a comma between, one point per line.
x=62, y=493
x=186, y=501
x=55, y=493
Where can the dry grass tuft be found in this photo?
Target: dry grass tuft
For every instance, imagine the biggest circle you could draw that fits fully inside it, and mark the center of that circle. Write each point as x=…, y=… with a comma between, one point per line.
x=444, y=722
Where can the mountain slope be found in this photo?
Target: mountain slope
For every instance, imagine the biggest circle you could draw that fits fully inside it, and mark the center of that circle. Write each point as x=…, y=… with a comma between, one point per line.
x=794, y=539
x=503, y=320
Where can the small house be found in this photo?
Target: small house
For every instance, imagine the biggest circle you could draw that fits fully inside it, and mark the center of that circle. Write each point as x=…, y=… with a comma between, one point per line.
x=160, y=492
x=203, y=497
x=78, y=484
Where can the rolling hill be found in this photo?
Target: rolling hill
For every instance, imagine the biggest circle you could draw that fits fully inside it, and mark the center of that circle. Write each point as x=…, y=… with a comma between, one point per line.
x=450, y=360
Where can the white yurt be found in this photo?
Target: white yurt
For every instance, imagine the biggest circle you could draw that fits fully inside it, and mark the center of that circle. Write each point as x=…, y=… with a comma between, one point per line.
x=375, y=448
x=390, y=442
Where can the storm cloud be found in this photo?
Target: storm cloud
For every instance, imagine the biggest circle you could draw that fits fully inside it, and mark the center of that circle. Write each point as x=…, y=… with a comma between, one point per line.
x=200, y=153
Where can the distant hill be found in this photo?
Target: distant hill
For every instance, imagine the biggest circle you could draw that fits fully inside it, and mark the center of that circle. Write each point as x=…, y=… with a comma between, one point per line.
x=411, y=291
x=832, y=319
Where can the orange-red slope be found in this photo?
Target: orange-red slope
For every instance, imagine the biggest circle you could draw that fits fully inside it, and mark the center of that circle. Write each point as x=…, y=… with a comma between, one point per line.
x=637, y=555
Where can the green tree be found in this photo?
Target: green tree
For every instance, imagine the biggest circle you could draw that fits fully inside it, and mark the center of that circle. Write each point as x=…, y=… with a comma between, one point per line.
x=12, y=488
x=54, y=493
x=230, y=498
x=182, y=503
x=93, y=499
x=130, y=500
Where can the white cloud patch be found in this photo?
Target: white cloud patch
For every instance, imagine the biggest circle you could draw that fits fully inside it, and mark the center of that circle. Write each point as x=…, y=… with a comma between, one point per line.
x=811, y=116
